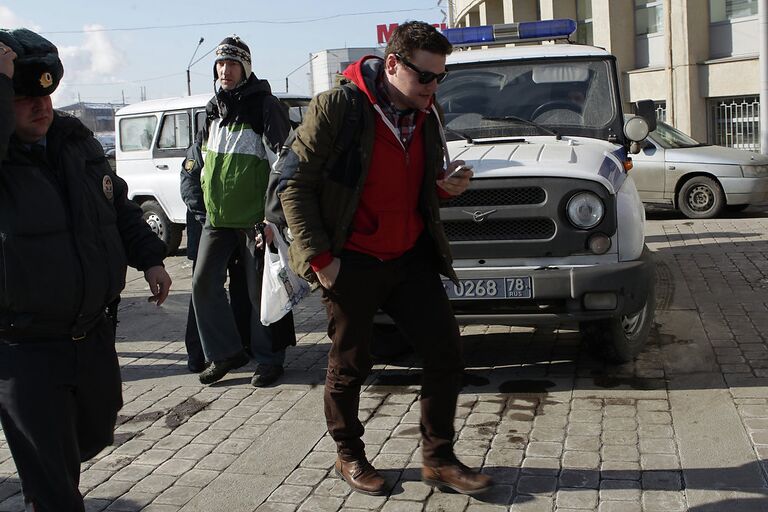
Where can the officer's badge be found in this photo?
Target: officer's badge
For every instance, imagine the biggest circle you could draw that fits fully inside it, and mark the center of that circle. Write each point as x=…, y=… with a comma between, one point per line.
x=189, y=164
x=46, y=80
x=106, y=185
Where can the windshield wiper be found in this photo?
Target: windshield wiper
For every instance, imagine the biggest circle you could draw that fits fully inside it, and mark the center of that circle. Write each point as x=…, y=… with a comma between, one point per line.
x=460, y=134
x=524, y=121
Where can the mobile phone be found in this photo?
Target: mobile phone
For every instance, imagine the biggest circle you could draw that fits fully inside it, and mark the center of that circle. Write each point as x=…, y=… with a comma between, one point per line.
x=459, y=170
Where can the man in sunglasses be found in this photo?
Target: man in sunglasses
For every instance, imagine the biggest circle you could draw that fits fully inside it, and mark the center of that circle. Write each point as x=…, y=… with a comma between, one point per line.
x=366, y=223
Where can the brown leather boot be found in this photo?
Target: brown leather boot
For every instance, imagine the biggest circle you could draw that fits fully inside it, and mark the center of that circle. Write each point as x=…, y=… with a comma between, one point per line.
x=456, y=476
x=361, y=476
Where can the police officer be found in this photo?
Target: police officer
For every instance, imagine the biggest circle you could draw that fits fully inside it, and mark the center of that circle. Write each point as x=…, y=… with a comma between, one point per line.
x=67, y=231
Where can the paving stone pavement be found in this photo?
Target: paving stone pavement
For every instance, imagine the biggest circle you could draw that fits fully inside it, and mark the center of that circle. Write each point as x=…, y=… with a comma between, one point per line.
x=684, y=427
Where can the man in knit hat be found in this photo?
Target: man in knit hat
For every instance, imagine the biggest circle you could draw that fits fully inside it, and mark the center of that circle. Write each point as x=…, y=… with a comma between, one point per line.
x=247, y=126
x=68, y=230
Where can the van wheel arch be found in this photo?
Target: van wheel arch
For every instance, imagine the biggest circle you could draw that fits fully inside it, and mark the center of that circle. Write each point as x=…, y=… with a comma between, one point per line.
x=161, y=225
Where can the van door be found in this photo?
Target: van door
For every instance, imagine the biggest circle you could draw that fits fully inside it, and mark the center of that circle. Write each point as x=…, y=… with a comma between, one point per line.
x=135, y=136
x=174, y=137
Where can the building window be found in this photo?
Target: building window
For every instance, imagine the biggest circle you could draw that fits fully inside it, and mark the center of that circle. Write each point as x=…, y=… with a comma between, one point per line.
x=734, y=29
x=584, y=22
x=661, y=110
x=724, y=10
x=649, y=34
x=648, y=17
x=735, y=122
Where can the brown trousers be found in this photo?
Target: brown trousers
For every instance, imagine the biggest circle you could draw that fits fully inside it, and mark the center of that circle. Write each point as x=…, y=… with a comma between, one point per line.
x=409, y=289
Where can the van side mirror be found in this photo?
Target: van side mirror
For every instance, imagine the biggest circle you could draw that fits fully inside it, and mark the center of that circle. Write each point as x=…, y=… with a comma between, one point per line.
x=647, y=110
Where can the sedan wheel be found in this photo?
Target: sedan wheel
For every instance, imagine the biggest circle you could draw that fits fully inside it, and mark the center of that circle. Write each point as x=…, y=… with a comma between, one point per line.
x=701, y=198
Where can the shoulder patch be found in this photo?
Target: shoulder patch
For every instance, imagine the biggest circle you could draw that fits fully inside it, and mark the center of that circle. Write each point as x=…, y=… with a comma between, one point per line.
x=189, y=164
x=46, y=80
x=106, y=185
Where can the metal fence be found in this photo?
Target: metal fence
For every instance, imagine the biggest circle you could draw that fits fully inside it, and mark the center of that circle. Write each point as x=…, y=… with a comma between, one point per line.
x=735, y=122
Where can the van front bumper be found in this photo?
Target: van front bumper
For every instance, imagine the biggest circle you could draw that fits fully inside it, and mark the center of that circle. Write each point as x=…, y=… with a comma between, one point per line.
x=562, y=293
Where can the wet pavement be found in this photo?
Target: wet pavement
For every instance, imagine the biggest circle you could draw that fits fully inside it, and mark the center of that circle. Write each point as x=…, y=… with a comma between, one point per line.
x=684, y=427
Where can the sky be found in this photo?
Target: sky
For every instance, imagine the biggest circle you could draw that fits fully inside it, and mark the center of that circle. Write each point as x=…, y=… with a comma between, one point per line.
x=109, y=53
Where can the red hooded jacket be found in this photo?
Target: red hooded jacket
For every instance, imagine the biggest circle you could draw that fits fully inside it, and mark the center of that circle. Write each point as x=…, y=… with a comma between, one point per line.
x=387, y=221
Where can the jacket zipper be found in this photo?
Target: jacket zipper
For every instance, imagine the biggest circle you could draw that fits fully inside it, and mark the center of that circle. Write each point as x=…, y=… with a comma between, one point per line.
x=3, y=238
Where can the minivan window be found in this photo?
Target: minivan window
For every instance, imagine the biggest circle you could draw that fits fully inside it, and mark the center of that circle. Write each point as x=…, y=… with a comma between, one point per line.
x=200, y=120
x=175, y=131
x=297, y=107
x=136, y=133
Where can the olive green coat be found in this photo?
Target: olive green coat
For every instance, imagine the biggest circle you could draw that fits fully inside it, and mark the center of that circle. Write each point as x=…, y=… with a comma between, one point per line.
x=319, y=204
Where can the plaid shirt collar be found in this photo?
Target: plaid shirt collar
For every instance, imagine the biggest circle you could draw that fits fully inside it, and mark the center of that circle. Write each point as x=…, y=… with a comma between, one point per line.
x=403, y=120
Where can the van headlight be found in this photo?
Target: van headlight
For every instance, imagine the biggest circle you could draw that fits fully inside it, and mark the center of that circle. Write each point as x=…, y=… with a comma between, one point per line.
x=585, y=210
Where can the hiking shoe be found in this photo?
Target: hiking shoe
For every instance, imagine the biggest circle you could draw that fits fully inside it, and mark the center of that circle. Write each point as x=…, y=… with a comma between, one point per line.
x=266, y=374
x=196, y=366
x=218, y=369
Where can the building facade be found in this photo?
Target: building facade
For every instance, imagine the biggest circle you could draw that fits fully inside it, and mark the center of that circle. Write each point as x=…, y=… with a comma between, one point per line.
x=98, y=117
x=697, y=59
x=325, y=64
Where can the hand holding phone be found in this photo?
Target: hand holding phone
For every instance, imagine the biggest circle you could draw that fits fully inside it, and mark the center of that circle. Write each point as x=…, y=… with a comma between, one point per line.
x=459, y=170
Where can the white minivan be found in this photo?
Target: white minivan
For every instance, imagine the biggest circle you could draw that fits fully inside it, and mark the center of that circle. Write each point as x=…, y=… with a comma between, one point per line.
x=151, y=138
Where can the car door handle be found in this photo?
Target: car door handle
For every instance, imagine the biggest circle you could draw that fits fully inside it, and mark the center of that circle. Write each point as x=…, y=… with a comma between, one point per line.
x=162, y=166
x=671, y=167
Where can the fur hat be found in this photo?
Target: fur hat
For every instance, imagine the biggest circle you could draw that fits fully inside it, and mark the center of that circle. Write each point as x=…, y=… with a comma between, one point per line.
x=233, y=48
x=37, y=68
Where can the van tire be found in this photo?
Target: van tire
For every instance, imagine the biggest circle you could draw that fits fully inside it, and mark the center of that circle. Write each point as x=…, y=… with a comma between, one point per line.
x=161, y=225
x=620, y=340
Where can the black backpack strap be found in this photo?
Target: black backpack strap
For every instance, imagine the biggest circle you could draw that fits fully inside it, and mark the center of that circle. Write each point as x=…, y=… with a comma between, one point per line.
x=284, y=168
x=342, y=165
x=351, y=128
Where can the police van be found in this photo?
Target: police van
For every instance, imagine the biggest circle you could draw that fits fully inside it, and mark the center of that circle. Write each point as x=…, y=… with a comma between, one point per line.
x=551, y=228
x=151, y=138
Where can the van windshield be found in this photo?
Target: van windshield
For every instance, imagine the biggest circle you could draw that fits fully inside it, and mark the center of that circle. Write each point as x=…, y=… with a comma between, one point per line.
x=525, y=97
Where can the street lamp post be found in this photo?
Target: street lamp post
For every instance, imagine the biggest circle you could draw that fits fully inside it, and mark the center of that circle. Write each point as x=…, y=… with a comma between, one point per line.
x=298, y=68
x=189, y=78
x=762, y=11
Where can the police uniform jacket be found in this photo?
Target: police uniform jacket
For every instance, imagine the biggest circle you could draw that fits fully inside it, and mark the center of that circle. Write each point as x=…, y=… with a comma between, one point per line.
x=67, y=230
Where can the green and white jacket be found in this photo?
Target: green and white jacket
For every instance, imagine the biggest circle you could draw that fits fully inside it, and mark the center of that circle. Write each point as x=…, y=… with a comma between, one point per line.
x=247, y=127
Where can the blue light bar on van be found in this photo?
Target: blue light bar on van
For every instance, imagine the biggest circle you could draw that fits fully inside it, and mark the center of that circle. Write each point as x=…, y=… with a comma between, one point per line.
x=528, y=31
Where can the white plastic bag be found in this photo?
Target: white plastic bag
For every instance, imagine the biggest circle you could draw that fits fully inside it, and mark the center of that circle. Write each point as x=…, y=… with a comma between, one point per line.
x=281, y=288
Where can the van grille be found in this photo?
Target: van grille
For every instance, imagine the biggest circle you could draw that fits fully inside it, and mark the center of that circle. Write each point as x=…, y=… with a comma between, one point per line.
x=502, y=229
x=521, y=217
x=497, y=196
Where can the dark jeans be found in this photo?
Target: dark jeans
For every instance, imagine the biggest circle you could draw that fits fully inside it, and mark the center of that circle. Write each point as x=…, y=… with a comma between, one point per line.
x=241, y=308
x=215, y=320
x=58, y=406
x=409, y=289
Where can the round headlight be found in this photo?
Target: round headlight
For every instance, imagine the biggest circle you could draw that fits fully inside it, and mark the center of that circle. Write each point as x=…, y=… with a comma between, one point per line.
x=585, y=210
x=636, y=128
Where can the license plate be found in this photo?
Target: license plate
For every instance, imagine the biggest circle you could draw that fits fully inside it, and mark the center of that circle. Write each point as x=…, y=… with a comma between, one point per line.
x=490, y=288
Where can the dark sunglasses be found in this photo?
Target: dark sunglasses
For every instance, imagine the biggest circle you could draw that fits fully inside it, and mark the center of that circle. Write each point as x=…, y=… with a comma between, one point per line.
x=425, y=77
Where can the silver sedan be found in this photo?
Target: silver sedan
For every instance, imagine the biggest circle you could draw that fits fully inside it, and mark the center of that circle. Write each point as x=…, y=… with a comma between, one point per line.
x=698, y=179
